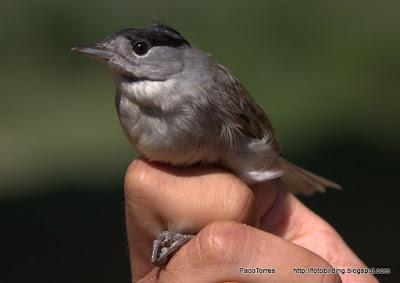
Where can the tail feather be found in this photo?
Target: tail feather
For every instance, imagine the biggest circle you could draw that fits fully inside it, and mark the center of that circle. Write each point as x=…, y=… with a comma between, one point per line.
x=299, y=180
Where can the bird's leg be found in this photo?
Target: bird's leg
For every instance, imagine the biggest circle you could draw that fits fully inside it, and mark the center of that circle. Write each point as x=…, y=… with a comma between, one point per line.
x=166, y=244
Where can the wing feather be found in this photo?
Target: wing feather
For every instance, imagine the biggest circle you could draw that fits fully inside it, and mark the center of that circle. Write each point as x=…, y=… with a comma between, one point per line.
x=248, y=116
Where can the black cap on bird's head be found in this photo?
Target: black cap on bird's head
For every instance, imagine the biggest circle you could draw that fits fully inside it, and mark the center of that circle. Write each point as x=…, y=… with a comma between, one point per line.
x=156, y=35
x=152, y=52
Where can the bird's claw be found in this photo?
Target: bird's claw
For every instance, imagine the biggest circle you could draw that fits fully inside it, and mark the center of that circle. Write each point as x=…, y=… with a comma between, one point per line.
x=166, y=244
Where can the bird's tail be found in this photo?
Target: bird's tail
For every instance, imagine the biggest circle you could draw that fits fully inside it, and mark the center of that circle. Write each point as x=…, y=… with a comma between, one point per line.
x=298, y=180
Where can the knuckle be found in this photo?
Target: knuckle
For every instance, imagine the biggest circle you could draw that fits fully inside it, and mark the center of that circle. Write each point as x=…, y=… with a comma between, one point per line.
x=220, y=243
x=240, y=203
x=137, y=179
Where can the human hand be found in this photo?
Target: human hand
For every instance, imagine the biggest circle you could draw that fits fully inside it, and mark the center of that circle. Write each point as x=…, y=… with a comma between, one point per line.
x=214, y=203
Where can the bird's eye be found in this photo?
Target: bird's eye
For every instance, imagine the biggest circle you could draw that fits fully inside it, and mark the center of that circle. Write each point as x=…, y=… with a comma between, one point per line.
x=140, y=48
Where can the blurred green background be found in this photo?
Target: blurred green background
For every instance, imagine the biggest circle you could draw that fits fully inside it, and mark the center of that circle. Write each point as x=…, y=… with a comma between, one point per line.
x=327, y=71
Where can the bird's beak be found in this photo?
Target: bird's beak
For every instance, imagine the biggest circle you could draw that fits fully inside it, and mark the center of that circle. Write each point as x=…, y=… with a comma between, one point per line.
x=97, y=51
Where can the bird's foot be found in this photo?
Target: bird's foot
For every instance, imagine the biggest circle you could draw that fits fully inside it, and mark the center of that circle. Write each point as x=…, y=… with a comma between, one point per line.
x=166, y=244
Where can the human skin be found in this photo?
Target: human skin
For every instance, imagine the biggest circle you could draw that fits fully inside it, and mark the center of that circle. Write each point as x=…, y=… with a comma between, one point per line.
x=223, y=212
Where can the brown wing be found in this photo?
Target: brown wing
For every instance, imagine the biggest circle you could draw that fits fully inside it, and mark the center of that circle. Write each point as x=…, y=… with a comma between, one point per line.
x=250, y=118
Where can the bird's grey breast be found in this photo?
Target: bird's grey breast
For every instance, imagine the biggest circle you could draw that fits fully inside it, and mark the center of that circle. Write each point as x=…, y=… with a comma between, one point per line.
x=158, y=131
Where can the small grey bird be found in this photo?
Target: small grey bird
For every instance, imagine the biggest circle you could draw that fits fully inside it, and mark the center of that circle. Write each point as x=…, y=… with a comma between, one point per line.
x=177, y=105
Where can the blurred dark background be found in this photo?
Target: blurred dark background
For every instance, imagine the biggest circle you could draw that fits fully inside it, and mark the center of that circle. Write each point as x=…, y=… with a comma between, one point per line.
x=327, y=71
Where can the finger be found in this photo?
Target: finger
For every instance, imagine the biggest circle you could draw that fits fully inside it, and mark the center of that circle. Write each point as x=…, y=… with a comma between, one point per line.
x=158, y=196
x=292, y=220
x=219, y=251
x=265, y=194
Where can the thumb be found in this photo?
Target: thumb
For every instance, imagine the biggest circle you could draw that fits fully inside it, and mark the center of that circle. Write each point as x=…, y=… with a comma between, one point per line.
x=230, y=251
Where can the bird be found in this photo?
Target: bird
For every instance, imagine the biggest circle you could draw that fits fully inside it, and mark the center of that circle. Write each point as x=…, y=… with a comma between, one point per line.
x=177, y=105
